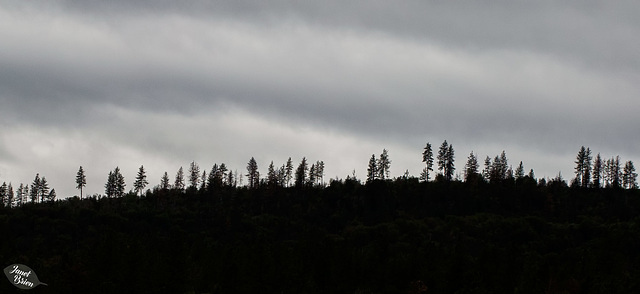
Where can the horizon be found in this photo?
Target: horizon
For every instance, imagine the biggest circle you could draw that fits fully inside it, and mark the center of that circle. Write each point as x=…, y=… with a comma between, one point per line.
x=131, y=83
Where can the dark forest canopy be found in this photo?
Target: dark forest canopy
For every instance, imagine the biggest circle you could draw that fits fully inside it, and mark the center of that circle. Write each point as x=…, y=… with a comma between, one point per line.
x=496, y=229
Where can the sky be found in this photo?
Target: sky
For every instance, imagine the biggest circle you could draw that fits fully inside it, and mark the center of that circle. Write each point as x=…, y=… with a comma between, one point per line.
x=101, y=84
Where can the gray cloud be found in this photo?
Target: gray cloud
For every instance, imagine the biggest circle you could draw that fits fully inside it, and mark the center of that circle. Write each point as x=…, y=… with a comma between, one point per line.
x=171, y=81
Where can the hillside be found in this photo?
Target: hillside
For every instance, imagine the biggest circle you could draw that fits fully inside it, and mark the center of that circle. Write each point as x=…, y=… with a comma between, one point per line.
x=393, y=236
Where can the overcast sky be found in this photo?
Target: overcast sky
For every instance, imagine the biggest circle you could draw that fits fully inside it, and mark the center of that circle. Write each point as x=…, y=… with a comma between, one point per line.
x=163, y=83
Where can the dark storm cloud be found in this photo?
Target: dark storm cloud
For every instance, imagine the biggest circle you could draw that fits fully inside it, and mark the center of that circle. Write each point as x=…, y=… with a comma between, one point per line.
x=539, y=77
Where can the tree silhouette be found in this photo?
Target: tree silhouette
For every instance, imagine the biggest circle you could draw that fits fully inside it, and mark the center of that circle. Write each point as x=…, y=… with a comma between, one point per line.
x=11, y=196
x=212, y=181
x=222, y=173
x=232, y=178
x=471, y=168
x=520, y=171
x=43, y=189
x=115, y=185
x=120, y=183
x=81, y=180
x=164, y=182
x=110, y=186
x=20, y=195
x=446, y=158
x=320, y=172
x=486, y=172
x=384, y=163
x=203, y=181
x=301, y=173
x=288, y=172
x=272, y=175
x=35, y=187
x=612, y=169
x=3, y=194
x=372, y=169
x=253, y=176
x=629, y=176
x=427, y=158
x=312, y=175
x=499, y=169
x=51, y=197
x=178, y=183
x=194, y=175
x=598, y=170
x=583, y=167
x=141, y=181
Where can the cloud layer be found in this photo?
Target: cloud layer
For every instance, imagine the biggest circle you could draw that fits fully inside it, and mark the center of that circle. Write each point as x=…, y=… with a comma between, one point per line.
x=102, y=84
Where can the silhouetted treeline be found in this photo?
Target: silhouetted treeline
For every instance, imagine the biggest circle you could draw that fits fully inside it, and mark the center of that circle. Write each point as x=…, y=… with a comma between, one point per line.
x=385, y=236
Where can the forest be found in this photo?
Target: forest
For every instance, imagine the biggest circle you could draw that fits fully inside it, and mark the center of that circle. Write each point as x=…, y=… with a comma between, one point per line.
x=493, y=230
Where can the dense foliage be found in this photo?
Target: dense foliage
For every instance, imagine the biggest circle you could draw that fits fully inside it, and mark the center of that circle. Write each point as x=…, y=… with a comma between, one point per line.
x=385, y=236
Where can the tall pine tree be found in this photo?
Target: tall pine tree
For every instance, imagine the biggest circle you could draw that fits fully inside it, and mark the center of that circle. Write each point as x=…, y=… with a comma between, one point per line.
x=384, y=163
x=178, y=183
x=427, y=158
x=253, y=176
x=372, y=169
x=301, y=173
x=141, y=181
x=81, y=180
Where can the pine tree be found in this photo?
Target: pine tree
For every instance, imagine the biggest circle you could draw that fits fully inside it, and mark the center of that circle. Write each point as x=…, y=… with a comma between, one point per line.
x=81, y=180
x=109, y=187
x=272, y=175
x=164, y=182
x=499, y=170
x=25, y=194
x=301, y=173
x=44, y=189
x=282, y=175
x=597, y=171
x=52, y=196
x=427, y=158
x=424, y=174
x=615, y=172
x=232, y=179
x=442, y=158
x=10, y=196
x=629, y=176
x=486, y=172
x=450, y=162
x=586, y=174
x=288, y=172
x=384, y=163
x=320, y=171
x=119, y=183
x=471, y=168
x=583, y=166
x=3, y=194
x=35, y=187
x=312, y=175
x=253, y=176
x=178, y=183
x=141, y=181
x=213, y=181
x=520, y=171
x=222, y=173
x=372, y=169
x=203, y=181
x=504, y=165
x=194, y=175
x=20, y=195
